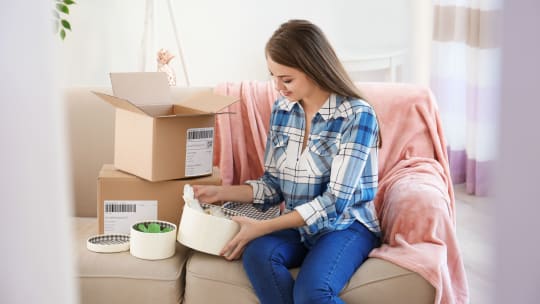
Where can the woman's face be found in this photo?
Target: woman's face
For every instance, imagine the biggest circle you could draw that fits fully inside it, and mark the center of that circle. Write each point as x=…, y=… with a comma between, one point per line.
x=290, y=82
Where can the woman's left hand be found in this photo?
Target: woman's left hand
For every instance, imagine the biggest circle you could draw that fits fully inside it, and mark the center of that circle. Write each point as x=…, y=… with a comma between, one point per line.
x=249, y=229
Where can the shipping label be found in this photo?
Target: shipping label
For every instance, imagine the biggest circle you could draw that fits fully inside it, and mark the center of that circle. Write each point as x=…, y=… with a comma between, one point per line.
x=119, y=215
x=199, y=151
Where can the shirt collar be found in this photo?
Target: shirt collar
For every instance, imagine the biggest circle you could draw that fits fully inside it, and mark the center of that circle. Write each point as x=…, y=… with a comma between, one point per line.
x=285, y=104
x=328, y=109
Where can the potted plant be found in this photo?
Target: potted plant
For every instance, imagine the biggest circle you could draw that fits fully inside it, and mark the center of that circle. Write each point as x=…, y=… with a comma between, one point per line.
x=153, y=240
x=153, y=227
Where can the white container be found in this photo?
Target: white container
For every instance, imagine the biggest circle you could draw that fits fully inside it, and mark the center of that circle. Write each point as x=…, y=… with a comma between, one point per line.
x=204, y=232
x=153, y=246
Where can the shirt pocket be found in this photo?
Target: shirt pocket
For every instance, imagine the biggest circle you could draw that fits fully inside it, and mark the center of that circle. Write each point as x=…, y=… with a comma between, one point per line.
x=321, y=154
x=279, y=147
x=279, y=140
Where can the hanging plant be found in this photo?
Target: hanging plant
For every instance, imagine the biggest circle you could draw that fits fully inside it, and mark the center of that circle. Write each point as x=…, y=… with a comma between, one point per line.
x=60, y=13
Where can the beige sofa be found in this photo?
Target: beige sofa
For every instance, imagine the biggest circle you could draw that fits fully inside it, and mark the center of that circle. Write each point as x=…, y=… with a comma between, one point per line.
x=188, y=277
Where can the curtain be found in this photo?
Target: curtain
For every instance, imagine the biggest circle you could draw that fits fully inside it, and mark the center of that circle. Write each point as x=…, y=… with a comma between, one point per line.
x=465, y=79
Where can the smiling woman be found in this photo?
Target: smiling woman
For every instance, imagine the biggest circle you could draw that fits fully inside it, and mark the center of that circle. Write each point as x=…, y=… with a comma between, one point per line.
x=321, y=162
x=290, y=82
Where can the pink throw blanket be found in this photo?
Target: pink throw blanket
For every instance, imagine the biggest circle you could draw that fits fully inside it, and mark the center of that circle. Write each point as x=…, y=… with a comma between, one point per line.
x=241, y=137
x=415, y=200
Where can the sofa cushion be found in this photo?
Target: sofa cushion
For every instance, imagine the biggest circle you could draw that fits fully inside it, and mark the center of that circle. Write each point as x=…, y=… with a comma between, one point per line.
x=382, y=282
x=123, y=278
x=212, y=279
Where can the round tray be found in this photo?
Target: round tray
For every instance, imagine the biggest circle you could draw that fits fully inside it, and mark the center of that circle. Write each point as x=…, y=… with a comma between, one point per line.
x=108, y=243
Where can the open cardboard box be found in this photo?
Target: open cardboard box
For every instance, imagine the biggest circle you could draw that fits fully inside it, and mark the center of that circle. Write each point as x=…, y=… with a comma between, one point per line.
x=157, y=138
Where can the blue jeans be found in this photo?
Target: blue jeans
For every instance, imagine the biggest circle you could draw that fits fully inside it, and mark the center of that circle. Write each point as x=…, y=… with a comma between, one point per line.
x=325, y=267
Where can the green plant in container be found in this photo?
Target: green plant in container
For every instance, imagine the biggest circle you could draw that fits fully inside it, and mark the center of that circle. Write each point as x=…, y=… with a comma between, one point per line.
x=153, y=228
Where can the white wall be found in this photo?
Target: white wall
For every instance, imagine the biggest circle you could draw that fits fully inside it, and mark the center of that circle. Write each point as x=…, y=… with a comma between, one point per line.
x=224, y=40
x=420, y=35
x=36, y=260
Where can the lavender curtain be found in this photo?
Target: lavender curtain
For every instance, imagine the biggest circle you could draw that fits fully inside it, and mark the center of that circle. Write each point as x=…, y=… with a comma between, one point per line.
x=465, y=79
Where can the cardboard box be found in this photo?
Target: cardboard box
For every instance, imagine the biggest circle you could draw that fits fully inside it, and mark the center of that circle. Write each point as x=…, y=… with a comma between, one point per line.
x=157, y=139
x=124, y=198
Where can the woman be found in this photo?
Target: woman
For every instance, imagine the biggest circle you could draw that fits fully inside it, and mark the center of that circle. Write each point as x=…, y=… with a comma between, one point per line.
x=321, y=161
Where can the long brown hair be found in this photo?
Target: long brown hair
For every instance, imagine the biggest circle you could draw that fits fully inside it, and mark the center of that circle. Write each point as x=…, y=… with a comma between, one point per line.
x=302, y=45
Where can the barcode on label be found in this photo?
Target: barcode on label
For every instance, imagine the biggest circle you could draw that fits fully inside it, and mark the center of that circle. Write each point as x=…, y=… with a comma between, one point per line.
x=132, y=208
x=200, y=134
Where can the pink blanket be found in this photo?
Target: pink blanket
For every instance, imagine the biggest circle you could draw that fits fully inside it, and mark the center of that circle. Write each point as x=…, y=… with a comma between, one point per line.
x=241, y=137
x=415, y=200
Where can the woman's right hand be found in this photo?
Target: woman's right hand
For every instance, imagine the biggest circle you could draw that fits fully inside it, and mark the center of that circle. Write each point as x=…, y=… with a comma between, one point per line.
x=207, y=194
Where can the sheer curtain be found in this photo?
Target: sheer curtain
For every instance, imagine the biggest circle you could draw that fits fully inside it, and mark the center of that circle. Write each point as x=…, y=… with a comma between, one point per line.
x=465, y=78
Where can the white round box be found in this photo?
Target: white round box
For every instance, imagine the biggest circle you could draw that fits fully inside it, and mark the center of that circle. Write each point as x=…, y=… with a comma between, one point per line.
x=205, y=232
x=153, y=246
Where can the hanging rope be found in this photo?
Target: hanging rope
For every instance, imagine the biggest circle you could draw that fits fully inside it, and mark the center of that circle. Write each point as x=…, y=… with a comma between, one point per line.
x=148, y=34
x=148, y=43
x=178, y=44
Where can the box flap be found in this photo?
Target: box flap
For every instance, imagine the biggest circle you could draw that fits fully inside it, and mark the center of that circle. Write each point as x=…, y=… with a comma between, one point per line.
x=142, y=88
x=109, y=171
x=158, y=110
x=208, y=102
x=120, y=103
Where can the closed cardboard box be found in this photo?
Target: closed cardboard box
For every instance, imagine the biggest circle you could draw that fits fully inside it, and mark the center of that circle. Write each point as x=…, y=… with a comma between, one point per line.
x=124, y=199
x=157, y=138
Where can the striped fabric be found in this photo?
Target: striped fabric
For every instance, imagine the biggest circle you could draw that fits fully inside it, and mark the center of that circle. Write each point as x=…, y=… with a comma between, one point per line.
x=465, y=77
x=331, y=183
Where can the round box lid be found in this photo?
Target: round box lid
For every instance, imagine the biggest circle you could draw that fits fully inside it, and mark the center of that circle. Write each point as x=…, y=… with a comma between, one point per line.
x=108, y=243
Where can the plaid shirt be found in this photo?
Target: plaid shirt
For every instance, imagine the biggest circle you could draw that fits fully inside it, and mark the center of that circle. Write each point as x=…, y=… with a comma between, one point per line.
x=333, y=181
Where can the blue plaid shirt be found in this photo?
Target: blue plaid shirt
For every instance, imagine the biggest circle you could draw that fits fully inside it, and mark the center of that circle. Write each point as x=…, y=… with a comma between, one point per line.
x=333, y=182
